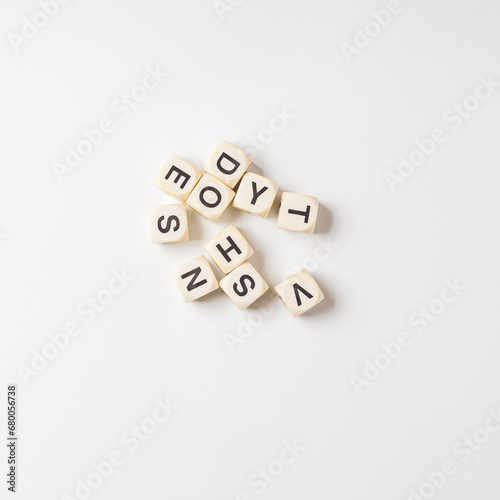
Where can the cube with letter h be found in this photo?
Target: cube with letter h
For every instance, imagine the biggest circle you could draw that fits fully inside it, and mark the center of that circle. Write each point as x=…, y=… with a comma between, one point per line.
x=178, y=177
x=195, y=278
x=298, y=212
x=300, y=292
x=227, y=163
x=229, y=249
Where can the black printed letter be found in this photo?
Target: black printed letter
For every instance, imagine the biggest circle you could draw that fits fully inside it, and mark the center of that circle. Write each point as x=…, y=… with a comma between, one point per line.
x=304, y=214
x=207, y=203
x=170, y=219
x=256, y=193
x=195, y=273
x=180, y=173
x=225, y=253
x=296, y=289
x=226, y=171
x=243, y=285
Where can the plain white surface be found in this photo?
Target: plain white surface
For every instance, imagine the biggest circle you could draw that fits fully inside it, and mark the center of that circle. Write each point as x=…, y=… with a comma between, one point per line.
x=290, y=379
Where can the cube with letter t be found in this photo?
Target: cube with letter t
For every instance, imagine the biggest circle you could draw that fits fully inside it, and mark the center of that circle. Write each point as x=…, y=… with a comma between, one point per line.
x=298, y=212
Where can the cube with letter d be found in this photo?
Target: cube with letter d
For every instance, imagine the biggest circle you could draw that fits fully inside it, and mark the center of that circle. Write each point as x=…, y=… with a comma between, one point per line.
x=227, y=163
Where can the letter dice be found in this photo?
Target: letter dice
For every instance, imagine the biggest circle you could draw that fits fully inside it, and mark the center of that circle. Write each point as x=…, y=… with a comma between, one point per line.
x=210, y=197
x=255, y=194
x=244, y=285
x=300, y=292
x=169, y=223
x=195, y=278
x=178, y=177
x=228, y=163
x=229, y=249
x=298, y=212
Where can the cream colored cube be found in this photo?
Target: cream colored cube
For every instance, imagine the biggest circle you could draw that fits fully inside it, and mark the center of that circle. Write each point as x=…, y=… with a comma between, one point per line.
x=298, y=212
x=244, y=285
x=169, y=223
x=178, y=177
x=195, y=278
x=255, y=194
x=229, y=249
x=228, y=163
x=300, y=292
x=210, y=197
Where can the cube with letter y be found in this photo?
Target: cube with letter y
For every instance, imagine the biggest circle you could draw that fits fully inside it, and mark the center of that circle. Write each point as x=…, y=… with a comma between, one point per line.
x=255, y=194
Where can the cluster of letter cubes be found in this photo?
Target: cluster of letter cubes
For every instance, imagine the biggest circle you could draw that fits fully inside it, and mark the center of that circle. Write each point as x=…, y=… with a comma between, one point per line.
x=209, y=193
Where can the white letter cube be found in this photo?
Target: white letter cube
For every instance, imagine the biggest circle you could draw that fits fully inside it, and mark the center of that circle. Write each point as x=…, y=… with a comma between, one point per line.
x=255, y=194
x=244, y=285
x=210, y=197
x=169, y=223
x=300, y=292
x=298, y=212
x=195, y=278
x=229, y=249
x=228, y=163
x=178, y=177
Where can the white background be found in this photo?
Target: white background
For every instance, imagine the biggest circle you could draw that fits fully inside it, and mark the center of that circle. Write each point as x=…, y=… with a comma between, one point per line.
x=290, y=378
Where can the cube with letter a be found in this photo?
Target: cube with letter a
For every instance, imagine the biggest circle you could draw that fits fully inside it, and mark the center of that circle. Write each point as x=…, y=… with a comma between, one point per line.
x=300, y=292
